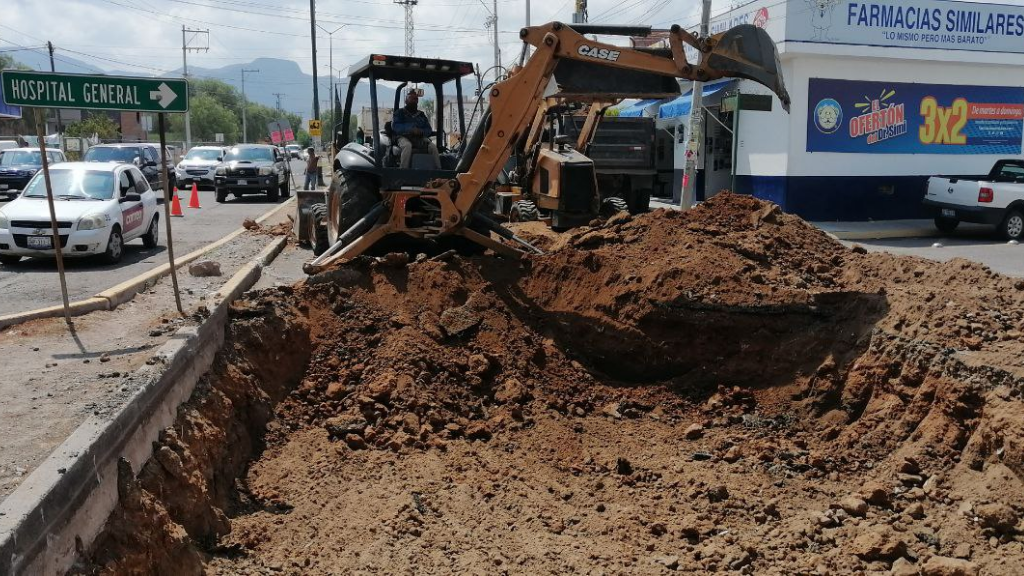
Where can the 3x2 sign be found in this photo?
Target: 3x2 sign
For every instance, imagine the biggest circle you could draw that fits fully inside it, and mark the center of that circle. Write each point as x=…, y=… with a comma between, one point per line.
x=94, y=92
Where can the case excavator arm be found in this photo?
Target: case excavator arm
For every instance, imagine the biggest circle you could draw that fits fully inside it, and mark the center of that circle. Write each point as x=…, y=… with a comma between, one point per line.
x=515, y=103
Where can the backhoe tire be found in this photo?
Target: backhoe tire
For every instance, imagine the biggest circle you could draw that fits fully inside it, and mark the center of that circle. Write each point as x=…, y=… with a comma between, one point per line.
x=351, y=196
x=613, y=205
x=318, y=229
x=523, y=211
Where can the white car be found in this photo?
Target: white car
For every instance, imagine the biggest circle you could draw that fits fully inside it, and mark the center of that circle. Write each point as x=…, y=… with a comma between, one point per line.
x=996, y=198
x=99, y=207
x=199, y=165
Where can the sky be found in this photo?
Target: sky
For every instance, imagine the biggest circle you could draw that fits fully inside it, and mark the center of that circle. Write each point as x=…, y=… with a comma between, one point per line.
x=144, y=36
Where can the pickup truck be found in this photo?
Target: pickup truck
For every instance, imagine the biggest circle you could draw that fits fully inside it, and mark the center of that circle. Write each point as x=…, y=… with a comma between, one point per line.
x=996, y=198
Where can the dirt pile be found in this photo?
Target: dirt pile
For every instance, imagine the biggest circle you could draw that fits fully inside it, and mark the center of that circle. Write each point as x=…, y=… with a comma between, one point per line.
x=723, y=390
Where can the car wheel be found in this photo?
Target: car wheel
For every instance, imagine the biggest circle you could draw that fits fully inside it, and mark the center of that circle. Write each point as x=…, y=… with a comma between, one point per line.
x=222, y=195
x=286, y=189
x=946, y=225
x=152, y=236
x=1013, y=225
x=115, y=247
x=9, y=259
x=272, y=193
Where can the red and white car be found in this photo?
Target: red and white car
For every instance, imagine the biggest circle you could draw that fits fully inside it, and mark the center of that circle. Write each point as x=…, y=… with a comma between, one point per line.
x=99, y=207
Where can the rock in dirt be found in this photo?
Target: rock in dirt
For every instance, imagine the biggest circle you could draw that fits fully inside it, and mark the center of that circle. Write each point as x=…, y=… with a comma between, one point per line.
x=457, y=321
x=878, y=543
x=854, y=506
x=903, y=567
x=512, y=391
x=942, y=566
x=693, y=432
x=998, y=517
x=204, y=268
x=670, y=562
x=250, y=224
x=876, y=493
x=341, y=426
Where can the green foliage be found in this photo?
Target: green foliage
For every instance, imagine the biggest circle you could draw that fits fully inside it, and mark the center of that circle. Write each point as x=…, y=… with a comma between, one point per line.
x=216, y=106
x=94, y=123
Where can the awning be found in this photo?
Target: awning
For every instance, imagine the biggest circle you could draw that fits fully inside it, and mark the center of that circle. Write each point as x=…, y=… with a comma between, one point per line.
x=636, y=110
x=681, y=106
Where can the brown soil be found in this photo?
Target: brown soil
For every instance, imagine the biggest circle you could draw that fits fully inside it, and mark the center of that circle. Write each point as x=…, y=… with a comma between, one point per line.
x=727, y=389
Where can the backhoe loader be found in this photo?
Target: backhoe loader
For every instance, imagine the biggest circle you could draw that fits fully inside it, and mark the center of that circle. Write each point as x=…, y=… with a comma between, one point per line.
x=370, y=200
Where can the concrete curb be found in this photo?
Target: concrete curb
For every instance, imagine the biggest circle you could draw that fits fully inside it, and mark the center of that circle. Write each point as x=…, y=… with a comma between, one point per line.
x=125, y=291
x=889, y=234
x=64, y=503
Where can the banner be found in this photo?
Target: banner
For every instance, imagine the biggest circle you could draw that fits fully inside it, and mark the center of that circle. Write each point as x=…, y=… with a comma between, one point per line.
x=275, y=132
x=286, y=130
x=937, y=24
x=860, y=117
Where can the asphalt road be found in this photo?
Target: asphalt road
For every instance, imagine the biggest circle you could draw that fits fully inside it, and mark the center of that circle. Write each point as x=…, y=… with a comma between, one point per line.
x=34, y=283
x=977, y=245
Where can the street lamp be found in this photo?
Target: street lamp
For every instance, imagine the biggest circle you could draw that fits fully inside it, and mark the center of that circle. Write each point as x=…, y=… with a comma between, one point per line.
x=330, y=38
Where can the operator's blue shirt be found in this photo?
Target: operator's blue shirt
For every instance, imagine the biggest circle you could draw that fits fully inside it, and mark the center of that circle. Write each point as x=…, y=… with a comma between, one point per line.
x=404, y=121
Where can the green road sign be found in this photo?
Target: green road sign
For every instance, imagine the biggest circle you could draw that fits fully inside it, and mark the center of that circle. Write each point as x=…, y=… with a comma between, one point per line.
x=94, y=92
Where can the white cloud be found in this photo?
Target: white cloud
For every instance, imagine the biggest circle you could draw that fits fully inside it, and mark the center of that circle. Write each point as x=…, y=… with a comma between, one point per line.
x=145, y=35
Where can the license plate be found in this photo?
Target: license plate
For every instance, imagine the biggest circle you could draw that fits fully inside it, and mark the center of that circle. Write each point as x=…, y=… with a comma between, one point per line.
x=42, y=242
x=949, y=213
x=243, y=182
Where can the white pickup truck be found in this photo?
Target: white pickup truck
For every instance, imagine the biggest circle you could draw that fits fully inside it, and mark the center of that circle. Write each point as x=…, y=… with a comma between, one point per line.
x=996, y=198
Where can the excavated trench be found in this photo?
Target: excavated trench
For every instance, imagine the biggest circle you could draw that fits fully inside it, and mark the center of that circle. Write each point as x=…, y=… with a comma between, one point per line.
x=608, y=408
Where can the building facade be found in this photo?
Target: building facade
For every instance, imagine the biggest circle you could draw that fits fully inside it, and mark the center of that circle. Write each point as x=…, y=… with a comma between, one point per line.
x=885, y=93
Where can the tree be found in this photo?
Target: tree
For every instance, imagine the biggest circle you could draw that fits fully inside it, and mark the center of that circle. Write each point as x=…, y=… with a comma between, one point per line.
x=210, y=117
x=94, y=123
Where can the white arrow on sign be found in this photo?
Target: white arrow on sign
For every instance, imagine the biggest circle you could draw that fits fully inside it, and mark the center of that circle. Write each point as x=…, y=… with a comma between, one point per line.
x=164, y=95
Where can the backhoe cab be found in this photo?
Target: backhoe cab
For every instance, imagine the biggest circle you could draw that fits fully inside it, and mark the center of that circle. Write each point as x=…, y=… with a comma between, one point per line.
x=369, y=200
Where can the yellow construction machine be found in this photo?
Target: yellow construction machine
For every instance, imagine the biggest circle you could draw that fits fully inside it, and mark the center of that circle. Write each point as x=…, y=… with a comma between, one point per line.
x=372, y=196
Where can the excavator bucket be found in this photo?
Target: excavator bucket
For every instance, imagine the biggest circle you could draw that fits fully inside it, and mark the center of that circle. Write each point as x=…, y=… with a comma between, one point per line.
x=747, y=51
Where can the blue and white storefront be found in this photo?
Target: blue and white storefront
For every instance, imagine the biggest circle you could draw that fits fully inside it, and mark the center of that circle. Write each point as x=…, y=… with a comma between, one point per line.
x=885, y=93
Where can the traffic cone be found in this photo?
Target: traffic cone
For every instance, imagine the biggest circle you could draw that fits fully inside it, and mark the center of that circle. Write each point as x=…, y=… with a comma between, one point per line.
x=176, y=204
x=193, y=201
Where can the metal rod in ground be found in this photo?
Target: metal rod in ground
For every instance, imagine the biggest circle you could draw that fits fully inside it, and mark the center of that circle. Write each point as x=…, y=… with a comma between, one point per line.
x=41, y=133
x=167, y=210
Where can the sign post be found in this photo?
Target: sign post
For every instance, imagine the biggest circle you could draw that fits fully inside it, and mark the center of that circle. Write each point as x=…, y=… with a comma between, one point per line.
x=95, y=92
x=40, y=118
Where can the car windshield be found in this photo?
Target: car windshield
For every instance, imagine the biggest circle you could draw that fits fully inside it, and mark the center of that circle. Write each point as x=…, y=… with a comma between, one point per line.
x=21, y=157
x=112, y=153
x=208, y=154
x=72, y=184
x=249, y=154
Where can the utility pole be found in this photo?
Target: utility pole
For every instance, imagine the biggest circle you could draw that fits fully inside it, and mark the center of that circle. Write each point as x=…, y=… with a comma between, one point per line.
x=312, y=37
x=527, y=25
x=693, y=148
x=278, y=96
x=492, y=22
x=410, y=29
x=185, y=49
x=580, y=16
x=245, y=104
x=60, y=124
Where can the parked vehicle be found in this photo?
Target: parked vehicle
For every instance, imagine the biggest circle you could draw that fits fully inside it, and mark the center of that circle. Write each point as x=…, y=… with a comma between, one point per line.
x=253, y=169
x=294, y=150
x=996, y=198
x=99, y=207
x=145, y=156
x=19, y=165
x=623, y=153
x=8, y=145
x=199, y=166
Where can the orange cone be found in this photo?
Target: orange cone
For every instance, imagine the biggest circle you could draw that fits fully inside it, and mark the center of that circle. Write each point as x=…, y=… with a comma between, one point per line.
x=175, y=204
x=193, y=201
